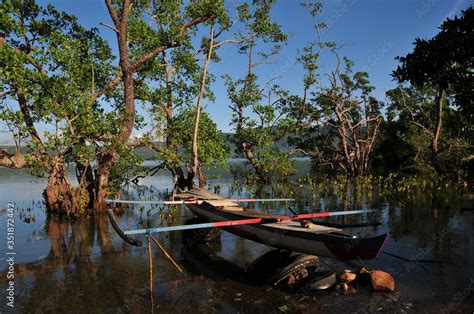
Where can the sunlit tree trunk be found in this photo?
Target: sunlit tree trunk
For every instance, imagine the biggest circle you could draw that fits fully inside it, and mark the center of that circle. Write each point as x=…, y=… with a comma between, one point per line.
x=60, y=196
x=437, y=163
x=195, y=162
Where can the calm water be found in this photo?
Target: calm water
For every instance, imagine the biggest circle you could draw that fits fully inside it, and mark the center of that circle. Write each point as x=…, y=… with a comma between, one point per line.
x=84, y=267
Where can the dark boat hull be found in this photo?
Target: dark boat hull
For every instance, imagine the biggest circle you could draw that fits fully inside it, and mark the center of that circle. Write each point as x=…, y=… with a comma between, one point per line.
x=333, y=244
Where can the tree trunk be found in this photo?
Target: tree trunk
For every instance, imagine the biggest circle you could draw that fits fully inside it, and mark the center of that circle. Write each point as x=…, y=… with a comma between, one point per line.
x=111, y=156
x=199, y=102
x=61, y=197
x=85, y=177
x=202, y=177
x=182, y=181
x=106, y=162
x=250, y=157
x=437, y=163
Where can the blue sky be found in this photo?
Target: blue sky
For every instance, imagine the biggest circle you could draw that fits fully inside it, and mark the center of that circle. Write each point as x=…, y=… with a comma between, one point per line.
x=373, y=32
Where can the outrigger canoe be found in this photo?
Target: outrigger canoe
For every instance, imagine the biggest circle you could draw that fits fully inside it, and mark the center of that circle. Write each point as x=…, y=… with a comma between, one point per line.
x=276, y=231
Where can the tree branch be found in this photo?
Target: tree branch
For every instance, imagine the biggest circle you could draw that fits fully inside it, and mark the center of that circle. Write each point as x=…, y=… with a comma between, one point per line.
x=235, y=41
x=112, y=12
x=108, y=26
x=146, y=57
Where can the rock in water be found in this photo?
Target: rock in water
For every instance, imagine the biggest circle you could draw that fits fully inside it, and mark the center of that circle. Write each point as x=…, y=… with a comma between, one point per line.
x=381, y=281
x=346, y=289
x=348, y=276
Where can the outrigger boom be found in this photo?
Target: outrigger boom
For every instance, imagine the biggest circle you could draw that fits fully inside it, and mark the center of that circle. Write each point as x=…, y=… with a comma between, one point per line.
x=236, y=200
x=246, y=222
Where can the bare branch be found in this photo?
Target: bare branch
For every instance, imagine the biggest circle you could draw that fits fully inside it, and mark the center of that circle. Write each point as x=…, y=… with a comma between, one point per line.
x=235, y=41
x=234, y=109
x=304, y=152
x=108, y=26
x=412, y=114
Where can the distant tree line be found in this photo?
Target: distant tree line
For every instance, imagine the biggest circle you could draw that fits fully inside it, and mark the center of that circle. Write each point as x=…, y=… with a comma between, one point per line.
x=58, y=76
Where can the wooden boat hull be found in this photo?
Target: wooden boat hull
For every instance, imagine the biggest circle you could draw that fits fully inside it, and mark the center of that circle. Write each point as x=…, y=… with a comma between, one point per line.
x=292, y=237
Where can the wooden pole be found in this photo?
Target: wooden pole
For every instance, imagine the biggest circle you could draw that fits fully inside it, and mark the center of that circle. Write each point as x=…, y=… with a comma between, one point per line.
x=150, y=260
x=249, y=221
x=236, y=200
x=166, y=253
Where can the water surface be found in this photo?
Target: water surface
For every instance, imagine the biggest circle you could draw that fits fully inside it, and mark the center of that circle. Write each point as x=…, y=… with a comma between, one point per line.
x=84, y=267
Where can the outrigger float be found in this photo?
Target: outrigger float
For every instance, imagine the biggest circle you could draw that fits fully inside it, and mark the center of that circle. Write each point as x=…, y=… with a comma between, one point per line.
x=293, y=233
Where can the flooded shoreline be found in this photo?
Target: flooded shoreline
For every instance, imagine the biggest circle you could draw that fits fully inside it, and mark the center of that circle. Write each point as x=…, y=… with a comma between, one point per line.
x=84, y=266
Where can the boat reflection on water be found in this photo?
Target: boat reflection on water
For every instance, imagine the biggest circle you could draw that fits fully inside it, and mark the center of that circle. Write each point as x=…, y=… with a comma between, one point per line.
x=84, y=267
x=204, y=259
x=281, y=269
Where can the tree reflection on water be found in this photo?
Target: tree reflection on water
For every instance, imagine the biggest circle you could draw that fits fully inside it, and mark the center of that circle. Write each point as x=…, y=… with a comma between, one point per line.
x=86, y=267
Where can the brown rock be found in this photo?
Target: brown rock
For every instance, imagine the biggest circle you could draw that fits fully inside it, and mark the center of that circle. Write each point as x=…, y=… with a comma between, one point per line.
x=381, y=281
x=346, y=289
x=348, y=277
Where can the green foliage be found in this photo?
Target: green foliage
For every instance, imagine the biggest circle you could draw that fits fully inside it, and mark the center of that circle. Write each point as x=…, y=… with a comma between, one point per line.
x=55, y=64
x=213, y=150
x=445, y=61
x=257, y=116
x=275, y=164
x=129, y=164
x=168, y=84
x=411, y=116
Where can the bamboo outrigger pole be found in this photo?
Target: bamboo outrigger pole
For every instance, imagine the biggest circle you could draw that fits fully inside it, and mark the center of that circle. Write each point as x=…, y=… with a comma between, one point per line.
x=237, y=200
x=246, y=222
x=168, y=256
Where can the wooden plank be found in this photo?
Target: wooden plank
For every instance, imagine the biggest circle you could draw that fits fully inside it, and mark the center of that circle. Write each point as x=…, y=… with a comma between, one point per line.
x=221, y=203
x=244, y=222
x=232, y=209
x=296, y=226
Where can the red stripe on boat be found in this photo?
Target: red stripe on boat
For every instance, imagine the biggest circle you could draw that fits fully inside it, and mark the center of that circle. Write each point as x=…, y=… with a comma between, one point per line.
x=237, y=222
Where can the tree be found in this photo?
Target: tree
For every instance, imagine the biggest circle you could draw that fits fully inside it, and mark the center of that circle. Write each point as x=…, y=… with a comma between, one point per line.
x=444, y=63
x=56, y=72
x=408, y=111
x=50, y=68
x=197, y=12
x=345, y=127
x=209, y=47
x=337, y=127
x=172, y=83
x=256, y=137
x=411, y=117
x=213, y=150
